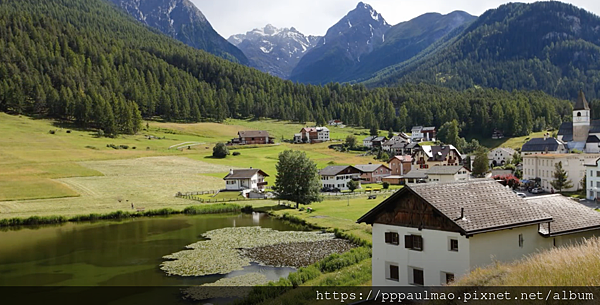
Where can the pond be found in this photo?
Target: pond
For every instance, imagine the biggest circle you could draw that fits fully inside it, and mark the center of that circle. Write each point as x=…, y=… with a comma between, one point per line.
x=116, y=253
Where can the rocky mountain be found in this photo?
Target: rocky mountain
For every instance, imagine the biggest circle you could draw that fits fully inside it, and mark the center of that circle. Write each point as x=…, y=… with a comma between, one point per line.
x=182, y=20
x=548, y=46
x=275, y=51
x=406, y=40
x=357, y=34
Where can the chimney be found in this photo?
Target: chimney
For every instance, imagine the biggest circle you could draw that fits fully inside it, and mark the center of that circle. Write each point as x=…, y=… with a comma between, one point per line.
x=545, y=136
x=231, y=171
x=462, y=213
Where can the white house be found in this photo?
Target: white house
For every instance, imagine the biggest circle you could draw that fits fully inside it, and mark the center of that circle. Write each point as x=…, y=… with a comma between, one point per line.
x=245, y=180
x=543, y=166
x=545, y=145
x=442, y=174
x=335, y=123
x=312, y=135
x=420, y=133
x=593, y=180
x=368, y=141
x=500, y=156
x=337, y=177
x=431, y=234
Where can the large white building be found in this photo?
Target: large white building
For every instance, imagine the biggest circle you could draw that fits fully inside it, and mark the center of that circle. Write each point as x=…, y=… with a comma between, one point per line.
x=431, y=234
x=592, y=189
x=542, y=166
x=500, y=156
x=337, y=177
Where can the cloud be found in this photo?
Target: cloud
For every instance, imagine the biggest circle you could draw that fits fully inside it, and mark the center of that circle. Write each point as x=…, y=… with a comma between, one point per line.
x=314, y=17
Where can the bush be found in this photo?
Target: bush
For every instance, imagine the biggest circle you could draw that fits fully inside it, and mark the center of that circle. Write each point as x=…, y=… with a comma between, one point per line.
x=220, y=151
x=236, y=153
x=133, y=147
x=100, y=133
x=52, y=131
x=113, y=146
x=68, y=131
x=92, y=147
x=386, y=185
x=124, y=146
x=247, y=209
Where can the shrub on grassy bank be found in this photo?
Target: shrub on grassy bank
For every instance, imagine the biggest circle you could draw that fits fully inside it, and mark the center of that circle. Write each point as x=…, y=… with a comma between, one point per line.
x=33, y=220
x=212, y=209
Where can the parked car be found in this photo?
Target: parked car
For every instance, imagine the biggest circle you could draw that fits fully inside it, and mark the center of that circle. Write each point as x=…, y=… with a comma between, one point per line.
x=537, y=190
x=522, y=195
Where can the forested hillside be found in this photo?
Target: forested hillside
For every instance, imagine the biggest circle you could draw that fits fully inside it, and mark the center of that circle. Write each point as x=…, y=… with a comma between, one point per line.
x=548, y=46
x=86, y=61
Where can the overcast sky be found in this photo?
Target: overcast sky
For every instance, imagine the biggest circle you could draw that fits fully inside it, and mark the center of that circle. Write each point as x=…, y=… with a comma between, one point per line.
x=314, y=17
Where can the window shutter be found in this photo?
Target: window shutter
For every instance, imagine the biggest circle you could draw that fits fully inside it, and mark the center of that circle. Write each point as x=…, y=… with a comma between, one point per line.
x=395, y=239
x=388, y=237
x=420, y=242
x=408, y=241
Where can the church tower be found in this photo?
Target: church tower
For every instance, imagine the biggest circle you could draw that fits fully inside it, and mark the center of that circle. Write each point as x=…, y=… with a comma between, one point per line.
x=581, y=119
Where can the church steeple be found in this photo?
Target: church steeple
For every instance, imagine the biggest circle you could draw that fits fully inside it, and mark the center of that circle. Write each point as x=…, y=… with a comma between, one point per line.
x=581, y=103
x=581, y=119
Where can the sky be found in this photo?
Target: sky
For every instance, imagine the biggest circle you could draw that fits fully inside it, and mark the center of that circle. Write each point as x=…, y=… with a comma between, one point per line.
x=314, y=17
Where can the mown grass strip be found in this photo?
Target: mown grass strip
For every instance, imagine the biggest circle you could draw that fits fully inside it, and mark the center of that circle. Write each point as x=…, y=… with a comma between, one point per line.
x=191, y=210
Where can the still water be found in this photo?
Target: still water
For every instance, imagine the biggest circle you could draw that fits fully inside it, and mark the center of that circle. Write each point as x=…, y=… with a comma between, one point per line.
x=116, y=253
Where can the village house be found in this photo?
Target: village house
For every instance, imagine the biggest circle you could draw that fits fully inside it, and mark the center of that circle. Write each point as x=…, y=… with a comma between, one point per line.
x=443, y=155
x=245, y=180
x=335, y=123
x=401, y=138
x=593, y=180
x=542, y=167
x=403, y=149
x=500, y=156
x=368, y=141
x=312, y=135
x=400, y=165
x=497, y=134
x=443, y=174
x=373, y=173
x=415, y=176
x=582, y=133
x=337, y=177
x=420, y=133
x=432, y=234
x=545, y=145
x=250, y=137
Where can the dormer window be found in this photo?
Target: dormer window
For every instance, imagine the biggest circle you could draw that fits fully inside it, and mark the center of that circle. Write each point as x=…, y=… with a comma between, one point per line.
x=578, y=114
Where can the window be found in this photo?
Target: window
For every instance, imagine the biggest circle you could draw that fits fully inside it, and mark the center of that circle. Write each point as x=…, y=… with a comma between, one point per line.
x=449, y=278
x=413, y=242
x=392, y=238
x=454, y=245
x=598, y=184
x=578, y=113
x=394, y=273
x=520, y=240
x=598, y=174
x=418, y=277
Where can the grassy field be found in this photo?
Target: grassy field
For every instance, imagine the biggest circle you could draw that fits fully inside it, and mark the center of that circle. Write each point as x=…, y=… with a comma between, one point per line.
x=73, y=172
x=514, y=143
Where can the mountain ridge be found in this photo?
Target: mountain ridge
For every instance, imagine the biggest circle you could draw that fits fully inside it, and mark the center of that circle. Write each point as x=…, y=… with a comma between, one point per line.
x=182, y=20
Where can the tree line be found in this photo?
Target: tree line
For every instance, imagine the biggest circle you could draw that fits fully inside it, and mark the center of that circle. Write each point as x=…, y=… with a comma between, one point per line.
x=87, y=62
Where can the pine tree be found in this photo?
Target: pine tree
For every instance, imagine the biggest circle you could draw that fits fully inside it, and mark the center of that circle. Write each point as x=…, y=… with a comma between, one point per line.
x=561, y=178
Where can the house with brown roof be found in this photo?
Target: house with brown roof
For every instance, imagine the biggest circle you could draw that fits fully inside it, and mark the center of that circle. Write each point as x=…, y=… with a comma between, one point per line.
x=250, y=137
x=373, y=173
x=430, y=234
x=400, y=165
x=337, y=177
x=427, y=156
x=245, y=180
x=312, y=135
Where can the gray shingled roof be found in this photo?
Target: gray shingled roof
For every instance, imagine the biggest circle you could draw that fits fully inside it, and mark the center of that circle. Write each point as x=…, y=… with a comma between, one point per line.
x=488, y=206
x=369, y=168
x=333, y=170
x=244, y=174
x=444, y=170
x=541, y=144
x=569, y=216
x=379, y=139
x=253, y=133
x=369, y=138
x=416, y=174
